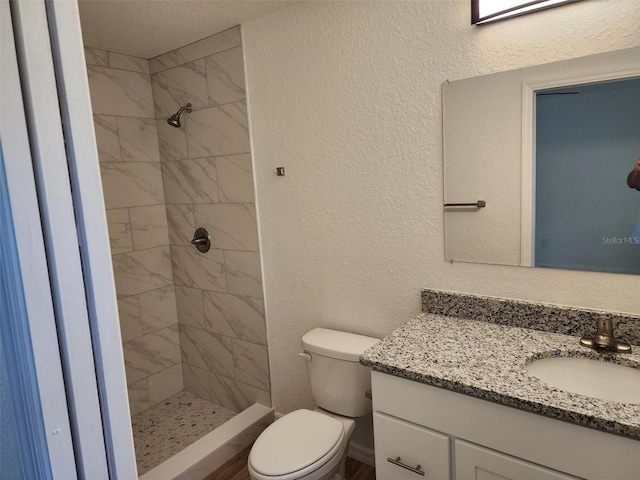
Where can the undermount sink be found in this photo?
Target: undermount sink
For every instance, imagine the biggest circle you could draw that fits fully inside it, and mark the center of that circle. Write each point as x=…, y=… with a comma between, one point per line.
x=593, y=378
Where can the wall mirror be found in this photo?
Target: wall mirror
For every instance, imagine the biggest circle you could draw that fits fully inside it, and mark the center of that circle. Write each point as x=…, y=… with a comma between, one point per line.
x=548, y=150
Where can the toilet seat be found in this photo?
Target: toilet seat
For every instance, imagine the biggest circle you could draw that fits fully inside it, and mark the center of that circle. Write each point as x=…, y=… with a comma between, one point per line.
x=296, y=445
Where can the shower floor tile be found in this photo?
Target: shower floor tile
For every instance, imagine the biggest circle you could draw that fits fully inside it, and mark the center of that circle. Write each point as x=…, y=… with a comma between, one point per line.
x=168, y=427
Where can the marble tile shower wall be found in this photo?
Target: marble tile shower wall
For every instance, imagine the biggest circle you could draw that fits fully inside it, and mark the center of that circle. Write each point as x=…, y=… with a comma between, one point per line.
x=208, y=182
x=201, y=175
x=127, y=139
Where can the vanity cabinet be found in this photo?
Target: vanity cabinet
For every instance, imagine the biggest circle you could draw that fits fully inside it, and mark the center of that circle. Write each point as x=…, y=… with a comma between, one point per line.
x=473, y=462
x=456, y=436
x=402, y=445
x=405, y=451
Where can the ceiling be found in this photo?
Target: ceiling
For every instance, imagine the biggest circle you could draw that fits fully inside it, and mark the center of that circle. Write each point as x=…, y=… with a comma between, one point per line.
x=148, y=28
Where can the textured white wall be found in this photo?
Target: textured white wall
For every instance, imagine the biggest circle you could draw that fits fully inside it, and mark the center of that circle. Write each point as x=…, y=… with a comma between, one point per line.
x=347, y=97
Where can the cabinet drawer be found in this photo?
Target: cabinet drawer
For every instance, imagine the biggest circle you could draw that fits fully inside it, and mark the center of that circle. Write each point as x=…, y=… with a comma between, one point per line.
x=476, y=463
x=414, y=445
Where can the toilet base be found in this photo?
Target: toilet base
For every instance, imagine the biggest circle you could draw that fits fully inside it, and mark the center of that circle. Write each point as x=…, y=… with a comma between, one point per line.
x=349, y=427
x=339, y=475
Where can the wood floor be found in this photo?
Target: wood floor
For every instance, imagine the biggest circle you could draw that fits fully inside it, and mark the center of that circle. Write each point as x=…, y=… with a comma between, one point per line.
x=236, y=469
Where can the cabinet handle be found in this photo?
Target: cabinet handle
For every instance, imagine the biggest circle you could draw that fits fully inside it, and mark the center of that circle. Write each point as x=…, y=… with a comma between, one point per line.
x=397, y=461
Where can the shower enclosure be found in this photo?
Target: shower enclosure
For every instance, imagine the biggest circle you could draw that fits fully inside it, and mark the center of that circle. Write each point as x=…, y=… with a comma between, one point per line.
x=192, y=323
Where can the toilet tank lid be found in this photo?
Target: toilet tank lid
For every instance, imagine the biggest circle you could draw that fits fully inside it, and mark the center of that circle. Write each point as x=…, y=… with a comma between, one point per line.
x=335, y=344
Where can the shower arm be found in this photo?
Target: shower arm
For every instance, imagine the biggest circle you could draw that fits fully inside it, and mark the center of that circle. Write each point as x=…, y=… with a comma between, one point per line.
x=187, y=107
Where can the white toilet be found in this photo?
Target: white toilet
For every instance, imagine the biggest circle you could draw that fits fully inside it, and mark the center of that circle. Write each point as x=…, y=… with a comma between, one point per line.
x=312, y=445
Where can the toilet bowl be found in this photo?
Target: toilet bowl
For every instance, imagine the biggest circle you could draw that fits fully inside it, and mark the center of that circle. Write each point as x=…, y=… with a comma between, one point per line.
x=302, y=445
x=313, y=444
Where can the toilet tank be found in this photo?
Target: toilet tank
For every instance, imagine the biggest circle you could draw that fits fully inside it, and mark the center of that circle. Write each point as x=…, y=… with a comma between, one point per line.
x=338, y=381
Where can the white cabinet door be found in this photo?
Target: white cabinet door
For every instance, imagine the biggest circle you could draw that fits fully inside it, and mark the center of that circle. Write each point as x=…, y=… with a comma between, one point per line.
x=477, y=463
x=405, y=451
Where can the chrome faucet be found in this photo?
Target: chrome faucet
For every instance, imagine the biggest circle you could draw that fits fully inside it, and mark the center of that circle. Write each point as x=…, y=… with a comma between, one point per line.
x=603, y=340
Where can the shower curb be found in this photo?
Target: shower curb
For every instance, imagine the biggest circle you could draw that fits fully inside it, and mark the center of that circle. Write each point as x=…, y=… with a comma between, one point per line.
x=214, y=449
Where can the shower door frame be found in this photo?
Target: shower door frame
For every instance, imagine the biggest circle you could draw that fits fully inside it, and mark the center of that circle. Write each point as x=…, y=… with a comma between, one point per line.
x=83, y=323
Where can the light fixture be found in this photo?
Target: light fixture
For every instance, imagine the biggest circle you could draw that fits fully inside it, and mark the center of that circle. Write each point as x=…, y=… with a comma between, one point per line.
x=485, y=11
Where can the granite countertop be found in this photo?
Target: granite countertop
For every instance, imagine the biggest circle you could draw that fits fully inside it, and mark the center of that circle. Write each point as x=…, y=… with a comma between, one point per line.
x=487, y=361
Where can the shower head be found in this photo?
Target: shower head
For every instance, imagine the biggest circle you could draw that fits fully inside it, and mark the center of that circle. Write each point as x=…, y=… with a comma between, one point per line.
x=174, y=120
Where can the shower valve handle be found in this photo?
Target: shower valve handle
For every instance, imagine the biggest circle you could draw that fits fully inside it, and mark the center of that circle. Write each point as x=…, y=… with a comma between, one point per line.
x=201, y=240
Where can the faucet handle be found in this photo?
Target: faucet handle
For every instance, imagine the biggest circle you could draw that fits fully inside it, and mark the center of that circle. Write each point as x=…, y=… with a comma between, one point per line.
x=622, y=347
x=586, y=342
x=603, y=339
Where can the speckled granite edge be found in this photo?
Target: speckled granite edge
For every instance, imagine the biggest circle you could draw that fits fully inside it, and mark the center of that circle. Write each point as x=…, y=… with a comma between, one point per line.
x=537, y=316
x=487, y=361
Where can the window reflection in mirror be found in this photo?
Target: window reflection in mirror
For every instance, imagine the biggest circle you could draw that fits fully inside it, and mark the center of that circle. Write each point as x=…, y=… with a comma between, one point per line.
x=587, y=140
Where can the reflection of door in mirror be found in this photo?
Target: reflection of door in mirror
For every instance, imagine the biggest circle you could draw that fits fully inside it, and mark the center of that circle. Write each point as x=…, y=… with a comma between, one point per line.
x=490, y=150
x=587, y=139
